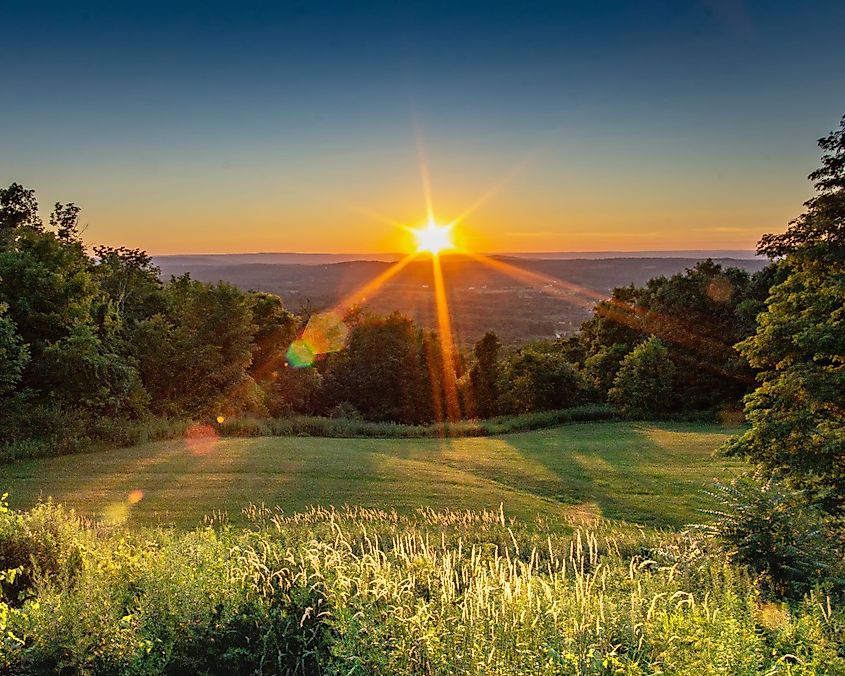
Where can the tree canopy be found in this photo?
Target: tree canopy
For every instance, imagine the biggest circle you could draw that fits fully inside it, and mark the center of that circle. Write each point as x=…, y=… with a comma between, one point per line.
x=797, y=414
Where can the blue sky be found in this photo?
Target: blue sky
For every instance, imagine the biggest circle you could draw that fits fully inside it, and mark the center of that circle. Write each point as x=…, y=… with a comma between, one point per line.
x=293, y=126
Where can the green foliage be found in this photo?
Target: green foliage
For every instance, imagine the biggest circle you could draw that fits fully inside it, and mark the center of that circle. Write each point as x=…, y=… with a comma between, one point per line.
x=275, y=329
x=14, y=354
x=698, y=315
x=347, y=423
x=18, y=211
x=484, y=374
x=194, y=358
x=380, y=372
x=643, y=384
x=78, y=370
x=130, y=281
x=534, y=380
x=361, y=591
x=775, y=533
x=797, y=414
x=45, y=542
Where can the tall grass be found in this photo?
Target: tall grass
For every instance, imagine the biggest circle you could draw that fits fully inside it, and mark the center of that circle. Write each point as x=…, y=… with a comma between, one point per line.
x=357, y=591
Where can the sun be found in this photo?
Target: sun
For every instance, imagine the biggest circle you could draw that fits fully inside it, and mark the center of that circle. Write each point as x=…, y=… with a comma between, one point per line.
x=434, y=238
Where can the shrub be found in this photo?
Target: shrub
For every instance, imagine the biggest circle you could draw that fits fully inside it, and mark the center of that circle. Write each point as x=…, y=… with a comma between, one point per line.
x=45, y=541
x=771, y=529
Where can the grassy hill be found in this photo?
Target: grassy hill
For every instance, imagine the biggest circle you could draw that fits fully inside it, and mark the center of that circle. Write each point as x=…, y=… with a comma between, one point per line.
x=646, y=473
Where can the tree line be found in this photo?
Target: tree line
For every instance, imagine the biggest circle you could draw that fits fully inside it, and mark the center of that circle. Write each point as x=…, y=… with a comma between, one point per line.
x=97, y=333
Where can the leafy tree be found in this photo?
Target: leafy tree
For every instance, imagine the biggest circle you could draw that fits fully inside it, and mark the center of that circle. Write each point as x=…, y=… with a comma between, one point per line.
x=49, y=287
x=194, y=357
x=483, y=375
x=18, y=210
x=797, y=414
x=643, y=385
x=130, y=282
x=534, y=380
x=275, y=329
x=699, y=315
x=379, y=372
x=14, y=354
x=292, y=390
x=79, y=371
x=65, y=221
x=611, y=333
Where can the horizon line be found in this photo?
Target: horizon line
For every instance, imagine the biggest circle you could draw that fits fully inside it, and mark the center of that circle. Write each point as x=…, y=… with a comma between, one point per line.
x=618, y=252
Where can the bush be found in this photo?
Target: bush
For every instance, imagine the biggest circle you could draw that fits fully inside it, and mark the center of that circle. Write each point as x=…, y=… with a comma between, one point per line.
x=46, y=541
x=774, y=532
x=83, y=435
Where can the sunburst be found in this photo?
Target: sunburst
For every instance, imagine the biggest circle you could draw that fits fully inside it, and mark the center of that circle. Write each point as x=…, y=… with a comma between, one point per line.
x=433, y=238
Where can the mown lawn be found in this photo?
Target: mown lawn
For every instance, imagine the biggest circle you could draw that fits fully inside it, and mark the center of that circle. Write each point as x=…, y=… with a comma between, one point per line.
x=646, y=473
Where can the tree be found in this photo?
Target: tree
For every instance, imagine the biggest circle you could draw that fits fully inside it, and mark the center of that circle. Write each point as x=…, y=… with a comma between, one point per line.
x=483, y=375
x=698, y=315
x=534, y=380
x=14, y=354
x=65, y=221
x=643, y=384
x=194, y=357
x=130, y=281
x=275, y=329
x=379, y=372
x=797, y=414
x=18, y=209
x=79, y=371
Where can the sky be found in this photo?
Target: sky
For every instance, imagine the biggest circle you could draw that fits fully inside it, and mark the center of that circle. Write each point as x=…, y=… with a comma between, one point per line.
x=301, y=126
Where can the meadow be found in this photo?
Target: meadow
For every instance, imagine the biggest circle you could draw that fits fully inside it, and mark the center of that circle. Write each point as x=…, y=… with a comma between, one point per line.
x=556, y=551
x=647, y=473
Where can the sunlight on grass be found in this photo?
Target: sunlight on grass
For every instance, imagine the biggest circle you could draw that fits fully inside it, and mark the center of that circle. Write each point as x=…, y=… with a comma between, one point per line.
x=648, y=474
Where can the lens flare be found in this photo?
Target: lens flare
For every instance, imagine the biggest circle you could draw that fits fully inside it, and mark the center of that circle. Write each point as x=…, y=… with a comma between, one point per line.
x=299, y=355
x=325, y=332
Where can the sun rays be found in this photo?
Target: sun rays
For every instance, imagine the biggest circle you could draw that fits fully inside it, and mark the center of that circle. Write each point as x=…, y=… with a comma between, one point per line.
x=433, y=240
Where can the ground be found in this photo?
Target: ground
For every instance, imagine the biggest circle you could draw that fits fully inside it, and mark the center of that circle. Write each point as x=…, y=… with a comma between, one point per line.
x=652, y=474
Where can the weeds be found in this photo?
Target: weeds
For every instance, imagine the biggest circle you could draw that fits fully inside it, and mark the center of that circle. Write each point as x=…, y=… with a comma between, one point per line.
x=359, y=591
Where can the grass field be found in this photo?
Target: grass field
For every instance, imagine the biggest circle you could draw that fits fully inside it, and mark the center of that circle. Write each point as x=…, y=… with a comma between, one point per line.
x=646, y=473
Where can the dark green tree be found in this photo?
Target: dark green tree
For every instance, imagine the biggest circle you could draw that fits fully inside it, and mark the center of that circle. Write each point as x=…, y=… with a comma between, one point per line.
x=18, y=210
x=194, y=357
x=14, y=354
x=797, y=414
x=275, y=329
x=535, y=380
x=643, y=384
x=130, y=282
x=484, y=375
x=379, y=372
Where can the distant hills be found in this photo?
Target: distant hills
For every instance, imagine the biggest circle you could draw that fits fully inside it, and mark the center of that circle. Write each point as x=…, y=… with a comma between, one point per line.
x=481, y=297
x=326, y=258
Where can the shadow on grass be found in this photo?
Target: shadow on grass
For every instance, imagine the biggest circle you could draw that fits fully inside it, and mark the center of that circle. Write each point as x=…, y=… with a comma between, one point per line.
x=625, y=470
